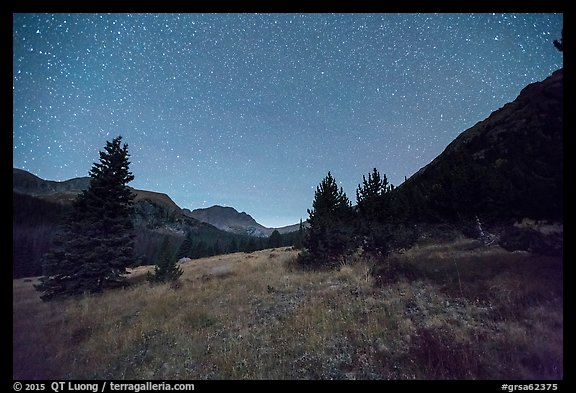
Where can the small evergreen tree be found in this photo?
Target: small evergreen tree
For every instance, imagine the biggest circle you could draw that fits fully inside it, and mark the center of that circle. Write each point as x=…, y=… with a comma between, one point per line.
x=166, y=268
x=251, y=245
x=299, y=237
x=329, y=236
x=275, y=239
x=186, y=247
x=373, y=201
x=97, y=241
x=372, y=196
x=213, y=249
x=219, y=247
x=200, y=250
x=232, y=246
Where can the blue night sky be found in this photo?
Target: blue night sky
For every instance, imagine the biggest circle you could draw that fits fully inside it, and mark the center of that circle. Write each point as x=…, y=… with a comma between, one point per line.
x=252, y=110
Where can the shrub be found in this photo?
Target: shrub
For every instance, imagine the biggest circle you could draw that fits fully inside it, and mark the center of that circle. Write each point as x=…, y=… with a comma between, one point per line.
x=403, y=236
x=392, y=270
x=166, y=268
x=514, y=238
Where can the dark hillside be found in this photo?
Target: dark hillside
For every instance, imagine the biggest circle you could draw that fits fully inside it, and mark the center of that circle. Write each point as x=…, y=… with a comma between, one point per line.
x=507, y=167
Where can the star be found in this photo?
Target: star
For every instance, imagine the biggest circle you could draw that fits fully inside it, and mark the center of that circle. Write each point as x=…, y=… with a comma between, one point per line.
x=253, y=110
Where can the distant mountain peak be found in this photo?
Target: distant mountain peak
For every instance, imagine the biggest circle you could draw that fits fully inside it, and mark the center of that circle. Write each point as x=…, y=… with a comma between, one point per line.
x=25, y=182
x=222, y=217
x=231, y=220
x=46, y=202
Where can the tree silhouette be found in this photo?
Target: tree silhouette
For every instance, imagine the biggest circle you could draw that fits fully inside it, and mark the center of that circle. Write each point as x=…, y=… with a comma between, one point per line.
x=560, y=44
x=373, y=224
x=275, y=240
x=97, y=242
x=329, y=236
x=166, y=268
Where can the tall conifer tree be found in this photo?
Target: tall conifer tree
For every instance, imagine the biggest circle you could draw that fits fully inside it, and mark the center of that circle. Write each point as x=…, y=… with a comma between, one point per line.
x=373, y=201
x=97, y=241
x=372, y=196
x=328, y=238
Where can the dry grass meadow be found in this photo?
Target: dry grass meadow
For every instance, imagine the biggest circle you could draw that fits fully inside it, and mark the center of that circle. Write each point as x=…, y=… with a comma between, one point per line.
x=442, y=311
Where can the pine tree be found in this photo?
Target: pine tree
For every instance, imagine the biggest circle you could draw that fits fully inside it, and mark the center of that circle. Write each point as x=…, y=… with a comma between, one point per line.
x=219, y=247
x=213, y=249
x=200, y=250
x=186, y=247
x=251, y=245
x=97, y=241
x=275, y=239
x=299, y=237
x=372, y=196
x=232, y=246
x=373, y=200
x=329, y=236
x=166, y=268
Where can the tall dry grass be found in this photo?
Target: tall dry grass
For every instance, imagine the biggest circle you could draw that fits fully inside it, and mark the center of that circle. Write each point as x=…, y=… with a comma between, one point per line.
x=257, y=316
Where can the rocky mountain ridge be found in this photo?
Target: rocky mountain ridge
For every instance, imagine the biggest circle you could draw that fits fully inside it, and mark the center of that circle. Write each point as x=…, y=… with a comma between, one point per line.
x=230, y=220
x=506, y=167
x=224, y=218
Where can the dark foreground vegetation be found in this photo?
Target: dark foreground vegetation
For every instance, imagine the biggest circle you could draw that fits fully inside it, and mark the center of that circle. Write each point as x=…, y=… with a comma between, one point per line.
x=440, y=310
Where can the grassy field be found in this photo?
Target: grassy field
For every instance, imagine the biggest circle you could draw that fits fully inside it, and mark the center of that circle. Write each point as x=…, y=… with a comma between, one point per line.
x=441, y=311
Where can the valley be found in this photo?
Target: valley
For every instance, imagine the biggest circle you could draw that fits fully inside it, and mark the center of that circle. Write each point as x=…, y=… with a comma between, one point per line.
x=440, y=310
x=416, y=161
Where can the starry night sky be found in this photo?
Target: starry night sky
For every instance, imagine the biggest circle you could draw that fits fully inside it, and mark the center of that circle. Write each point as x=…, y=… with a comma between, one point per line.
x=252, y=110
